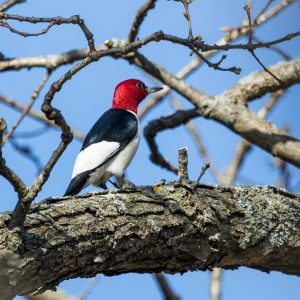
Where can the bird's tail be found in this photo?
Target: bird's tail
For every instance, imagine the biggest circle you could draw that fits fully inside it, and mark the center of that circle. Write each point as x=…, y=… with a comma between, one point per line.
x=77, y=184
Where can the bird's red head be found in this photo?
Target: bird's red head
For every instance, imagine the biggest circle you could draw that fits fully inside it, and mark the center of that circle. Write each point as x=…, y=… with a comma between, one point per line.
x=130, y=93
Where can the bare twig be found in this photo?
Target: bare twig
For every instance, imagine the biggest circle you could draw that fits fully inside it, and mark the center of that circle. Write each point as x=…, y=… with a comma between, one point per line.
x=9, y=3
x=216, y=66
x=165, y=287
x=183, y=175
x=139, y=18
x=251, y=50
x=28, y=108
x=186, y=14
x=203, y=170
x=282, y=53
x=52, y=21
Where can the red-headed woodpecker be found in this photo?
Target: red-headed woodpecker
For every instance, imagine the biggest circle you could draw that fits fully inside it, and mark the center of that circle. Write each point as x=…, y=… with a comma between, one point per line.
x=112, y=142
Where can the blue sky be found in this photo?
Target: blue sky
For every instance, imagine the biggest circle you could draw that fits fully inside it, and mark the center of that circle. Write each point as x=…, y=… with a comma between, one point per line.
x=89, y=94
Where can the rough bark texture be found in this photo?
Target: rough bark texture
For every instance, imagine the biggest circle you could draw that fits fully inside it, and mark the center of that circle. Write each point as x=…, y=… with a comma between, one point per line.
x=168, y=227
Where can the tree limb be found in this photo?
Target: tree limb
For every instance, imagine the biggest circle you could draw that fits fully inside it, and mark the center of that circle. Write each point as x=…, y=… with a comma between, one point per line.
x=229, y=108
x=167, y=227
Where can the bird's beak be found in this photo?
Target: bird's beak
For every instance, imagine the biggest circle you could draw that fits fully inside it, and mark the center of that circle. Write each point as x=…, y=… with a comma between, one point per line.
x=153, y=89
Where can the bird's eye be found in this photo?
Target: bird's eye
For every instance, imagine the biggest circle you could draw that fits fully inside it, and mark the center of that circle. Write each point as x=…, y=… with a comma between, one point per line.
x=140, y=85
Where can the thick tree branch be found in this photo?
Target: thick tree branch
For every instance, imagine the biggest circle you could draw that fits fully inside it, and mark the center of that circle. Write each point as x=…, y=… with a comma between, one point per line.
x=168, y=227
x=257, y=84
x=229, y=109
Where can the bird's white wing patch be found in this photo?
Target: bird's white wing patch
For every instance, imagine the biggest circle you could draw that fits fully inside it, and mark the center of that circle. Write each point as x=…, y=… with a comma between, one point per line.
x=93, y=156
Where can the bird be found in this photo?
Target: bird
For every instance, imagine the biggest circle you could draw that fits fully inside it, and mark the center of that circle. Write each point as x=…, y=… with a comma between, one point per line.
x=112, y=142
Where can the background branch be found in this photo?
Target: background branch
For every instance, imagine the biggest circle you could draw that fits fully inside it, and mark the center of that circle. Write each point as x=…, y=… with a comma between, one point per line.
x=9, y=3
x=139, y=18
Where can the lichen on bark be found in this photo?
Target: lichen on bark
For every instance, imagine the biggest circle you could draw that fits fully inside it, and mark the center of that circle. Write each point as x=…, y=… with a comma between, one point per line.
x=169, y=227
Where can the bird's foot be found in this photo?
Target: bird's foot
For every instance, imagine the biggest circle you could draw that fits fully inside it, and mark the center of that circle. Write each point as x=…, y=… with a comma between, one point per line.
x=124, y=183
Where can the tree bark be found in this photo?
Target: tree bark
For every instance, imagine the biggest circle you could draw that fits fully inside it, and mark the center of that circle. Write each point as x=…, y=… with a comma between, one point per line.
x=169, y=227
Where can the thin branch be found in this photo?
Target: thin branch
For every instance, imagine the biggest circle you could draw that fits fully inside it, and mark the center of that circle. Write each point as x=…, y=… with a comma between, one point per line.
x=88, y=289
x=34, y=96
x=282, y=53
x=6, y=172
x=52, y=21
x=9, y=3
x=165, y=287
x=200, y=45
x=248, y=12
x=186, y=14
x=216, y=66
x=139, y=18
x=37, y=116
x=54, y=61
x=203, y=170
x=215, y=284
x=31, y=133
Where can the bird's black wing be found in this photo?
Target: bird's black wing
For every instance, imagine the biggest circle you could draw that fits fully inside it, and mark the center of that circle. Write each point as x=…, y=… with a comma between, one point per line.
x=115, y=125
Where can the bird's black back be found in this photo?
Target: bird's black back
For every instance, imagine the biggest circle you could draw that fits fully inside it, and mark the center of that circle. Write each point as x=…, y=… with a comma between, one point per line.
x=115, y=125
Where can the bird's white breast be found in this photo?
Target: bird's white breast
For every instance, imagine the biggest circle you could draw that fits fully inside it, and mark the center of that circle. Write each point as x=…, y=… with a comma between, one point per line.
x=95, y=154
x=119, y=163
